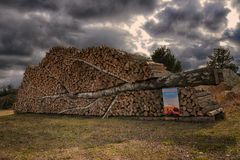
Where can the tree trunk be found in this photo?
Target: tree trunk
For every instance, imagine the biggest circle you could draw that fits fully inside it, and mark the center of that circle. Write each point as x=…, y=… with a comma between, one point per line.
x=204, y=76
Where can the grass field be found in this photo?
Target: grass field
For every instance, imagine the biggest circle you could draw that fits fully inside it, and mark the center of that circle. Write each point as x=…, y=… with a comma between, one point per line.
x=34, y=136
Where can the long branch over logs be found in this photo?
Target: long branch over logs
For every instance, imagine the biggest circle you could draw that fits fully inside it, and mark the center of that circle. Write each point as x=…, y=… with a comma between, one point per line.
x=204, y=76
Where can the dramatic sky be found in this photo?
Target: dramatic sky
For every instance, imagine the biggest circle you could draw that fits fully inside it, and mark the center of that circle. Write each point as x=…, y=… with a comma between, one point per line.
x=190, y=28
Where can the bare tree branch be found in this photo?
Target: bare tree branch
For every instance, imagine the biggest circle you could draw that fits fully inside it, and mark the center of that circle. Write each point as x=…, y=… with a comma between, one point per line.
x=76, y=108
x=110, y=106
x=102, y=70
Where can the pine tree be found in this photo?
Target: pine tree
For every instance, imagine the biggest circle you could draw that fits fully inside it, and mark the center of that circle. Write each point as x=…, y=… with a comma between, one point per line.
x=221, y=58
x=163, y=55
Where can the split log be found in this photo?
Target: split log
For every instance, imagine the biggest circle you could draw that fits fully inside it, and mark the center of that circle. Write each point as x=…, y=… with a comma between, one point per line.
x=202, y=94
x=209, y=108
x=215, y=112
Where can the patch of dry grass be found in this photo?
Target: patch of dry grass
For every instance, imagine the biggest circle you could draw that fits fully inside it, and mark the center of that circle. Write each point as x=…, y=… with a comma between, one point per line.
x=6, y=112
x=229, y=99
x=36, y=136
x=27, y=136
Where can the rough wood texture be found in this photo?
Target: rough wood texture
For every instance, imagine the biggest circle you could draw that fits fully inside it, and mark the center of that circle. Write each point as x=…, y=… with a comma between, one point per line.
x=215, y=112
x=203, y=76
x=103, y=81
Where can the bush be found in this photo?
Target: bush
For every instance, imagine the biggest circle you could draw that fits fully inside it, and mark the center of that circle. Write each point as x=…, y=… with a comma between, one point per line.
x=7, y=97
x=7, y=101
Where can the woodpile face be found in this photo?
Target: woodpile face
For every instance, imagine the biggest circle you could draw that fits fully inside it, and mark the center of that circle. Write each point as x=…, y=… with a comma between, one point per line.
x=67, y=79
x=195, y=102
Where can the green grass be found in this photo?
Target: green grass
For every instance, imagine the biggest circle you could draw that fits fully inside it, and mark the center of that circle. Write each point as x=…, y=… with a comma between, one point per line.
x=31, y=136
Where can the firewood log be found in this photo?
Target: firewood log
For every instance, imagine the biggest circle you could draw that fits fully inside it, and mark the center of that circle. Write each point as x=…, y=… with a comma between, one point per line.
x=85, y=82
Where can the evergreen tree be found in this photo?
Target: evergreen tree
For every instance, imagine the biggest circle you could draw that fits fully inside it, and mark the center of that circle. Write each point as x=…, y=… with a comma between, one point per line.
x=221, y=58
x=163, y=55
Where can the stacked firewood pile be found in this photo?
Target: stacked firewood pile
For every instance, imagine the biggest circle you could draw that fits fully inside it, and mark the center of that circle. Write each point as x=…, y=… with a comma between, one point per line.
x=196, y=102
x=103, y=81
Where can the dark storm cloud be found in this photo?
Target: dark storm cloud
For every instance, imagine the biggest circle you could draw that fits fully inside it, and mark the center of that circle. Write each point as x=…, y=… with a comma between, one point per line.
x=13, y=62
x=20, y=35
x=19, y=48
x=105, y=36
x=109, y=9
x=192, y=56
x=187, y=17
x=11, y=42
x=26, y=5
x=233, y=35
x=171, y=18
x=215, y=16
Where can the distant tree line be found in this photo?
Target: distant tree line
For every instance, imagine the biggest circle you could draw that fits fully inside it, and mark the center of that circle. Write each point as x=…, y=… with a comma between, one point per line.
x=221, y=58
x=5, y=90
x=7, y=96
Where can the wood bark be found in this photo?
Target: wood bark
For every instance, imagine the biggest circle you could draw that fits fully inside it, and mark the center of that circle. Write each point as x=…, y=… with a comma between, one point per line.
x=204, y=76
